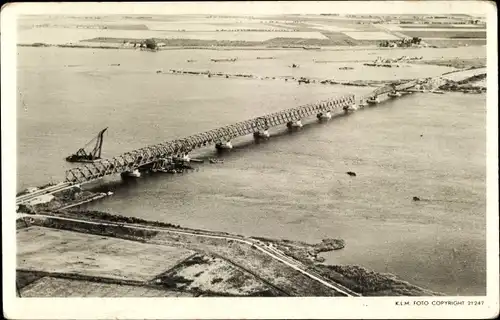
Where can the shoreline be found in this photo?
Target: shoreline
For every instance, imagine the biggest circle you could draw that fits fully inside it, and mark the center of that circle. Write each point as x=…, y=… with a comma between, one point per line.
x=289, y=258
x=230, y=48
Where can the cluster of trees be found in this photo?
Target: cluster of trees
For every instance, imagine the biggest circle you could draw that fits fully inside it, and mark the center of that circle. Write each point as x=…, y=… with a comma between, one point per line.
x=151, y=44
x=407, y=42
x=148, y=43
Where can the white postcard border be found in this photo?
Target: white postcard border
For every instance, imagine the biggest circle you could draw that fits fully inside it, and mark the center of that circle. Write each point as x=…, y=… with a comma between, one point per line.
x=237, y=308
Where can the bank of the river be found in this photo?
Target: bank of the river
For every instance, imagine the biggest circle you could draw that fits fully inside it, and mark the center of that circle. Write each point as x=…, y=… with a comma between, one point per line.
x=117, y=45
x=456, y=62
x=162, y=259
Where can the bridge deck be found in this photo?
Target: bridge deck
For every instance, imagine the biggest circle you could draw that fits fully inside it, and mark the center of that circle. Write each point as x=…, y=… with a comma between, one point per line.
x=140, y=157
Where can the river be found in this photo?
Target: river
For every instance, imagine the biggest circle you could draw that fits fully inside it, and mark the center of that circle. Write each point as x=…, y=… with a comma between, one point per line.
x=294, y=186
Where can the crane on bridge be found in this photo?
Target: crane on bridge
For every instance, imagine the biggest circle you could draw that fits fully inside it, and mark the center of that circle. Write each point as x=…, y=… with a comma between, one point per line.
x=83, y=156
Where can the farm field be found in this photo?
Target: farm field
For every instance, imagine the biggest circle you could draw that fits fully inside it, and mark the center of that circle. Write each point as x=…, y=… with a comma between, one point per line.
x=439, y=29
x=59, y=287
x=66, y=35
x=458, y=27
x=446, y=34
x=455, y=62
x=208, y=273
x=454, y=43
x=371, y=35
x=69, y=252
x=199, y=31
x=213, y=270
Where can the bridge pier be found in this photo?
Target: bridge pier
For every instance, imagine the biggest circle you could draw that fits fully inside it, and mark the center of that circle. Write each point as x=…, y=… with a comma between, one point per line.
x=261, y=134
x=373, y=100
x=162, y=163
x=394, y=94
x=224, y=145
x=324, y=116
x=294, y=124
x=352, y=107
x=131, y=174
x=182, y=158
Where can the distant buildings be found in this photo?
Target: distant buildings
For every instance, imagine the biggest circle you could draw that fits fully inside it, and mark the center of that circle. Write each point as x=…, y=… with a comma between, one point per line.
x=406, y=42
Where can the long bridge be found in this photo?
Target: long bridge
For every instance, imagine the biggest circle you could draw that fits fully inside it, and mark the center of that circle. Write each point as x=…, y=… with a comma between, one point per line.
x=135, y=159
x=150, y=155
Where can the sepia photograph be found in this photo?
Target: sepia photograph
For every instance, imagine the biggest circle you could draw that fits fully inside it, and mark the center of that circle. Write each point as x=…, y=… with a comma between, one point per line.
x=290, y=154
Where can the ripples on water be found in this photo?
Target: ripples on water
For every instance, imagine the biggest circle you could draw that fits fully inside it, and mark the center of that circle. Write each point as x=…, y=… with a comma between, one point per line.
x=295, y=185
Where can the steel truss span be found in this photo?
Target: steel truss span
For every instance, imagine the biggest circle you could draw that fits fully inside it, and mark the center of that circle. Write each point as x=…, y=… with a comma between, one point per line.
x=135, y=159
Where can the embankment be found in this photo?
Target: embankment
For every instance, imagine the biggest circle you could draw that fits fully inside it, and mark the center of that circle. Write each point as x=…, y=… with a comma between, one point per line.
x=65, y=199
x=469, y=85
x=305, y=80
x=355, y=278
x=459, y=63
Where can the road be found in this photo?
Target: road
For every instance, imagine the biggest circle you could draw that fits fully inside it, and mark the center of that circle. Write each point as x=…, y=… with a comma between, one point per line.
x=271, y=252
x=465, y=74
x=48, y=190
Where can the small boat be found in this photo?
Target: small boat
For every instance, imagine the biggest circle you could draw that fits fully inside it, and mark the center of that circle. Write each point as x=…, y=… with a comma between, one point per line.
x=394, y=94
x=373, y=100
x=311, y=48
x=168, y=170
x=212, y=160
x=83, y=156
x=223, y=60
x=437, y=91
x=197, y=160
